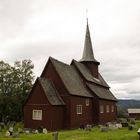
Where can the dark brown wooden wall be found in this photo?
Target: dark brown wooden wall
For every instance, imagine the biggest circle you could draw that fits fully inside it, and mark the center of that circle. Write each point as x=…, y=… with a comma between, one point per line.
x=95, y=110
x=87, y=112
x=52, y=117
x=107, y=116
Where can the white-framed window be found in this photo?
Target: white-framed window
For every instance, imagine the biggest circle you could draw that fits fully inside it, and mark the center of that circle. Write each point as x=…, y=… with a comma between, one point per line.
x=79, y=109
x=101, y=109
x=37, y=115
x=87, y=102
x=107, y=108
x=112, y=108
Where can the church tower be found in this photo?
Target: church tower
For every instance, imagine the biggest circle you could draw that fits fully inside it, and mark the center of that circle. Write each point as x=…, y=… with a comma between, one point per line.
x=88, y=58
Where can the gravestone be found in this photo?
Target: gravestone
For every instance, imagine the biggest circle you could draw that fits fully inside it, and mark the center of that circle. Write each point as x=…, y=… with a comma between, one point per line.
x=45, y=131
x=104, y=129
x=112, y=127
x=7, y=134
x=55, y=135
x=119, y=125
x=27, y=132
x=36, y=131
x=88, y=127
x=11, y=130
x=100, y=125
x=16, y=135
x=108, y=123
x=133, y=125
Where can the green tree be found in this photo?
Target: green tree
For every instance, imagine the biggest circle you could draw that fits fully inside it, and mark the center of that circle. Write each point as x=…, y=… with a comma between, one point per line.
x=23, y=77
x=15, y=85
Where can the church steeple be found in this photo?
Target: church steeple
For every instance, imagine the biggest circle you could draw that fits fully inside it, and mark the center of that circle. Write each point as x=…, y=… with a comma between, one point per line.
x=88, y=58
x=88, y=55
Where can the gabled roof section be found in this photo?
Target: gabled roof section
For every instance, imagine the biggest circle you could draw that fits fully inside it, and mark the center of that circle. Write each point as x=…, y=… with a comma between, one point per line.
x=70, y=79
x=50, y=92
x=101, y=92
x=87, y=74
x=88, y=54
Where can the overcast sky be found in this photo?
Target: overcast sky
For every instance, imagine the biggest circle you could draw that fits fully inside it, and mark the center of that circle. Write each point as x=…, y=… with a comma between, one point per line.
x=37, y=29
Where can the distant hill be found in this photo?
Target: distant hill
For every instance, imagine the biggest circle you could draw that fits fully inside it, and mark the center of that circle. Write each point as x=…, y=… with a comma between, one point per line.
x=125, y=104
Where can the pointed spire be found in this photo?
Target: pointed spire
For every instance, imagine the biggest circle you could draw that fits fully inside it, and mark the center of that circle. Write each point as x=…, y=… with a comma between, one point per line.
x=88, y=54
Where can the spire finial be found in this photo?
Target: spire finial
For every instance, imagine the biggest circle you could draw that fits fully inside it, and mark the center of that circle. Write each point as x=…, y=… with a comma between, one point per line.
x=88, y=54
x=87, y=14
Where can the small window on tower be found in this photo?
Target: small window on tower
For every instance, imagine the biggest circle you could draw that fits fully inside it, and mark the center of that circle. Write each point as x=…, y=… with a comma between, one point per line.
x=87, y=102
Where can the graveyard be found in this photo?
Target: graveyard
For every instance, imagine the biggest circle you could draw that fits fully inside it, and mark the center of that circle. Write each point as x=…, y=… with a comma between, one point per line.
x=95, y=133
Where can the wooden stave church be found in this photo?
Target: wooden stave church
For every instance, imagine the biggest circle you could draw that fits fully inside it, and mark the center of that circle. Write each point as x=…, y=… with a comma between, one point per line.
x=68, y=96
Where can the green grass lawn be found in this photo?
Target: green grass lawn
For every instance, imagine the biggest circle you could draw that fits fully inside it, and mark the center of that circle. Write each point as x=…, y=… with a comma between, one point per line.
x=95, y=134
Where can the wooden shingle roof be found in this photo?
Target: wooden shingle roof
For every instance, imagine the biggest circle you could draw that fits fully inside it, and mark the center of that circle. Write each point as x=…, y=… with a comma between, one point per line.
x=70, y=78
x=76, y=86
x=101, y=92
x=50, y=92
x=88, y=76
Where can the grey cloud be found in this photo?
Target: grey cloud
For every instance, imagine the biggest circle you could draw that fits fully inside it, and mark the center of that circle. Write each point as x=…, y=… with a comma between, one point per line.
x=13, y=14
x=118, y=51
x=37, y=50
x=120, y=65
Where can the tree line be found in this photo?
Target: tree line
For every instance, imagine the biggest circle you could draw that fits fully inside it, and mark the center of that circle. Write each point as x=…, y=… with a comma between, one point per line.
x=15, y=86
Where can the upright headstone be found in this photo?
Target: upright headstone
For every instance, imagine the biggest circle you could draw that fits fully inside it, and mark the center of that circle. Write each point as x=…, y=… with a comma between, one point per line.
x=7, y=134
x=11, y=130
x=45, y=131
x=104, y=129
x=27, y=132
x=36, y=131
x=112, y=127
x=138, y=133
x=119, y=125
x=88, y=127
x=55, y=135
x=16, y=135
